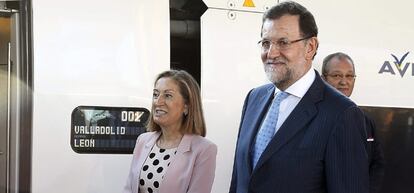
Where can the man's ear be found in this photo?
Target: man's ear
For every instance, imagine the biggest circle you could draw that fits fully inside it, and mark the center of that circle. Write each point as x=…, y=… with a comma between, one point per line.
x=311, y=48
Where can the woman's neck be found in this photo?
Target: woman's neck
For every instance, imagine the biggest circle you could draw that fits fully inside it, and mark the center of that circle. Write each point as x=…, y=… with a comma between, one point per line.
x=169, y=139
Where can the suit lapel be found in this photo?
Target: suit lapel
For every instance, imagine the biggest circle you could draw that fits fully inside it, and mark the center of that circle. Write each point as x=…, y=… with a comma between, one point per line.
x=260, y=107
x=303, y=113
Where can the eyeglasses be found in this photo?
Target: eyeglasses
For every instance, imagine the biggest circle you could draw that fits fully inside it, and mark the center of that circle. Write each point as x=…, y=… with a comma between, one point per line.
x=341, y=76
x=282, y=44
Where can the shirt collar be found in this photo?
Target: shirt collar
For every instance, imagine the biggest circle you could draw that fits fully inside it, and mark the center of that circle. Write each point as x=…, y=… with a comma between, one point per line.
x=300, y=87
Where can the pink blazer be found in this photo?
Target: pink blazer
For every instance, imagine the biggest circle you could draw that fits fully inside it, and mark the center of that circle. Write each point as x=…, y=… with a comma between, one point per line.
x=191, y=171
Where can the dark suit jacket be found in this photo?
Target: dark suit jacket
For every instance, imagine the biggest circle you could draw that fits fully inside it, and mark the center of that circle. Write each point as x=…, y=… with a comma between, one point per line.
x=319, y=148
x=375, y=157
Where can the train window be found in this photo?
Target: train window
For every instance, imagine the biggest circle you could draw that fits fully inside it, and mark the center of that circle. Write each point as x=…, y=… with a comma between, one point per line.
x=107, y=129
x=395, y=131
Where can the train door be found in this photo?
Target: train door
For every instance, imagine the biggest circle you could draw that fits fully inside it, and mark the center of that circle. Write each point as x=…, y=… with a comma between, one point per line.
x=15, y=96
x=3, y=103
x=8, y=68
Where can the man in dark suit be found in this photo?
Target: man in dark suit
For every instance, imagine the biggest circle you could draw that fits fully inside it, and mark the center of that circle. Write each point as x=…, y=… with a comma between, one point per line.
x=310, y=138
x=338, y=70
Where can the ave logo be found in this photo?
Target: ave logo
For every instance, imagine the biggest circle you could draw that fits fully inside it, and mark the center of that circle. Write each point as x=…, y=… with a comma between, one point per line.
x=398, y=65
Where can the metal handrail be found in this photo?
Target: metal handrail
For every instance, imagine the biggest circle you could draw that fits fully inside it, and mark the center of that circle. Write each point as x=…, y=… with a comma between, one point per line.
x=8, y=118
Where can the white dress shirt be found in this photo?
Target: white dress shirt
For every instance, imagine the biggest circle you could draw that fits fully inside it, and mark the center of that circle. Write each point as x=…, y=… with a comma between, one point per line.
x=296, y=92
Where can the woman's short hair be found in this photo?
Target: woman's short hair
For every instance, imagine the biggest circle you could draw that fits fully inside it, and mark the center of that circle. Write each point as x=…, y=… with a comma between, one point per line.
x=193, y=122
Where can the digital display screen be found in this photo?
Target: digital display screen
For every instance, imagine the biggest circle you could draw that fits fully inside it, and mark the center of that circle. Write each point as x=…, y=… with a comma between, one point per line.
x=107, y=130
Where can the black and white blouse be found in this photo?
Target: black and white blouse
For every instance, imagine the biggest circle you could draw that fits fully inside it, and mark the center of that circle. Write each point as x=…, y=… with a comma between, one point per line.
x=153, y=169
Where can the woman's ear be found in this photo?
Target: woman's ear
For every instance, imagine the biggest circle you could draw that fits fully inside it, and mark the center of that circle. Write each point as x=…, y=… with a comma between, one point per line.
x=185, y=110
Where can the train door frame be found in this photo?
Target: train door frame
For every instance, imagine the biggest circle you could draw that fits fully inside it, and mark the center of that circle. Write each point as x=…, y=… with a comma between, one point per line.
x=19, y=96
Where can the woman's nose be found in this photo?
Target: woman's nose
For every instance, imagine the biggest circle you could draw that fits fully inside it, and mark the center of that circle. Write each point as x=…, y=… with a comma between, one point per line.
x=159, y=100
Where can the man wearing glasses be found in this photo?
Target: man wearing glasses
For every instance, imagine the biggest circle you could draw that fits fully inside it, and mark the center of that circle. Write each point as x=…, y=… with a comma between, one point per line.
x=338, y=70
x=297, y=134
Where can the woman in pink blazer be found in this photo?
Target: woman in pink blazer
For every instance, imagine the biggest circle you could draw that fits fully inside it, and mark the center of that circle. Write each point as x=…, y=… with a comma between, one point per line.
x=174, y=157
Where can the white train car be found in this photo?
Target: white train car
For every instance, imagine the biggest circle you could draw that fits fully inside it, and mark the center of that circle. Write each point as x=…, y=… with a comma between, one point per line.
x=67, y=68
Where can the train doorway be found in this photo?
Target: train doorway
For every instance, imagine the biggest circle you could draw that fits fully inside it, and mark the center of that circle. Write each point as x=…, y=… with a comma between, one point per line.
x=15, y=92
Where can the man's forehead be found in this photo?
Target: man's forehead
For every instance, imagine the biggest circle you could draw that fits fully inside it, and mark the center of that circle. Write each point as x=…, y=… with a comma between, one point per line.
x=288, y=24
x=284, y=19
x=341, y=60
x=339, y=64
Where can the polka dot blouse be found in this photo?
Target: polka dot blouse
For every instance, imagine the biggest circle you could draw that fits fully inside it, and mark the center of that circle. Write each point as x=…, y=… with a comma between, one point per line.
x=153, y=170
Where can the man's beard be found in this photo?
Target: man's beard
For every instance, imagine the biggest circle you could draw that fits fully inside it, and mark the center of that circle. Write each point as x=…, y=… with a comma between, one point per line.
x=278, y=77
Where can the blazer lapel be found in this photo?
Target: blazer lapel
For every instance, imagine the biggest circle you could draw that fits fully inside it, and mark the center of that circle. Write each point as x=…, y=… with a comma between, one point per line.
x=260, y=107
x=144, y=154
x=180, y=158
x=303, y=113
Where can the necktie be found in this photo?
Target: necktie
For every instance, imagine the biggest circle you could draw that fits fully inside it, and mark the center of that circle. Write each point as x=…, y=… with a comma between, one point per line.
x=267, y=130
